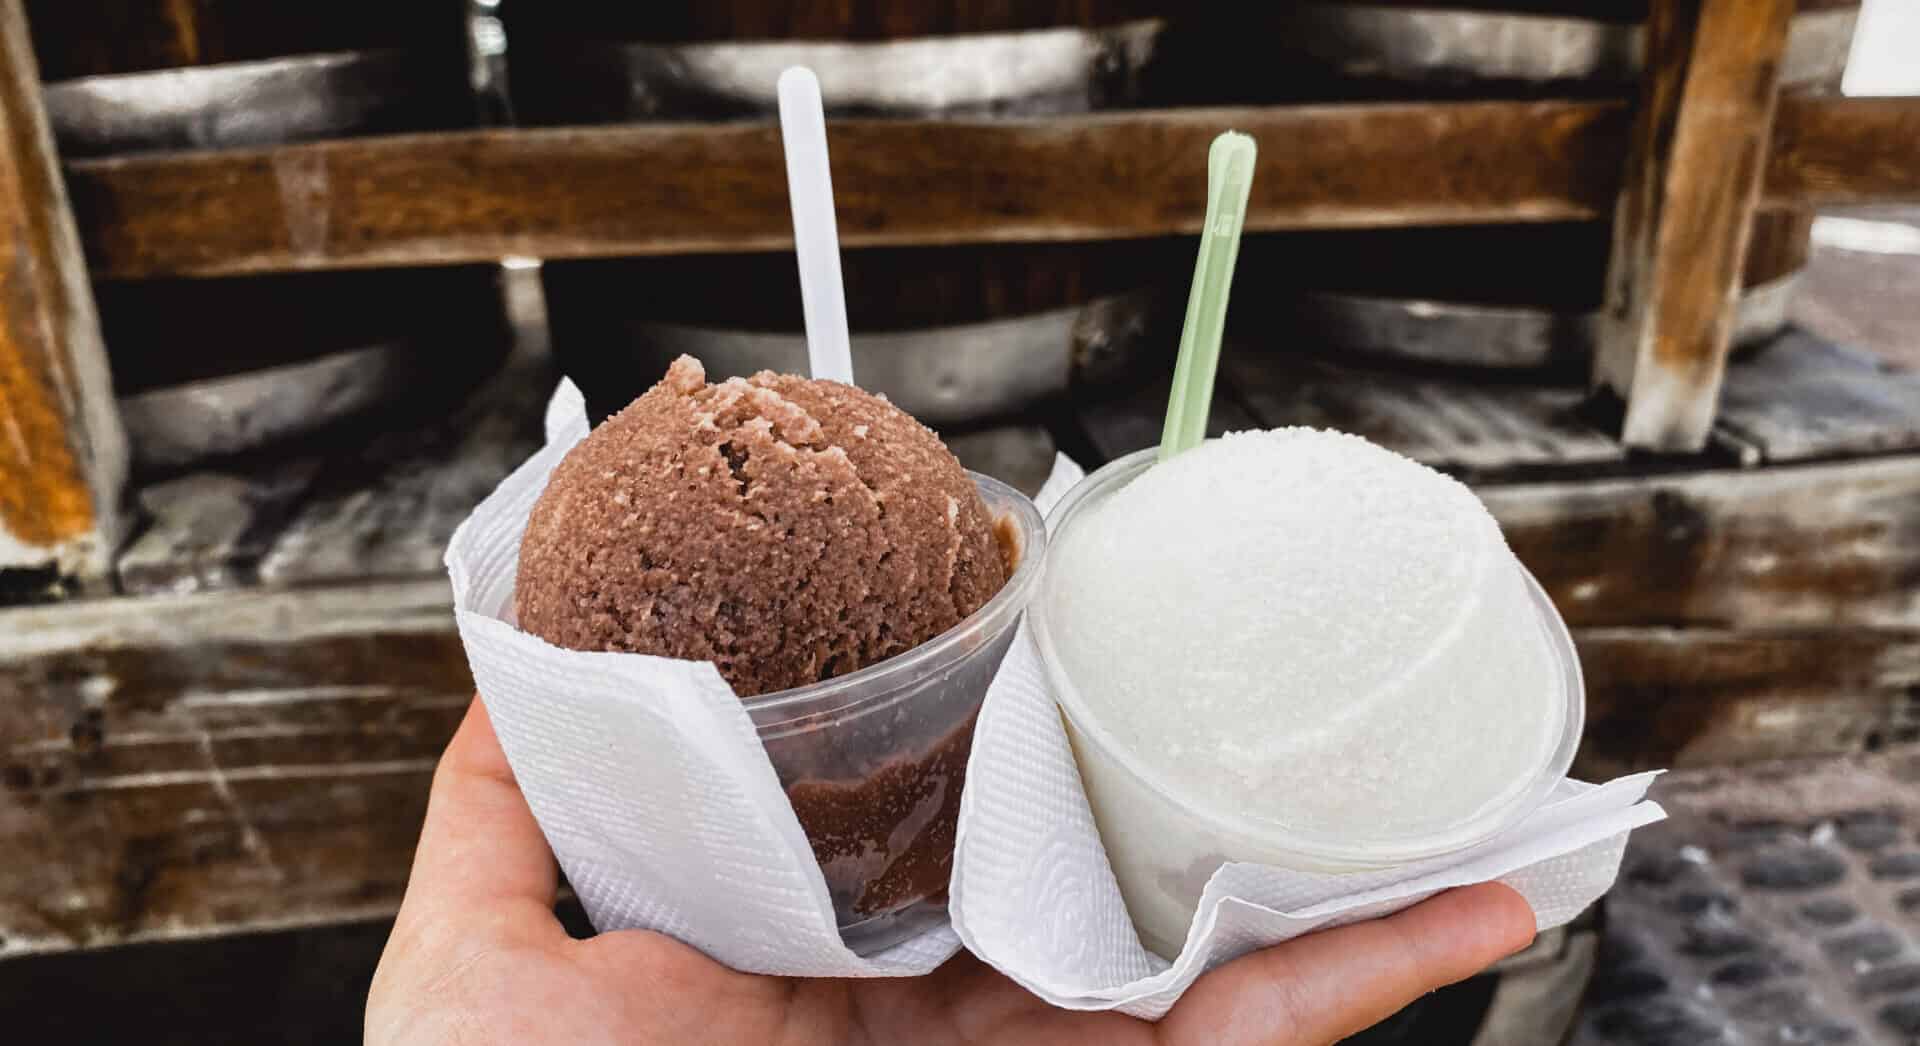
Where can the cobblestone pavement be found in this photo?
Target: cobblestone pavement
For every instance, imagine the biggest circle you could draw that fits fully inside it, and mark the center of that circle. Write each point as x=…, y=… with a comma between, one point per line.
x=1779, y=904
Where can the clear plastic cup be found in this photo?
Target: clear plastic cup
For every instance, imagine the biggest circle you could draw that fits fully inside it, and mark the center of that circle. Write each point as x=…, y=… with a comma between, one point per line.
x=1164, y=844
x=873, y=760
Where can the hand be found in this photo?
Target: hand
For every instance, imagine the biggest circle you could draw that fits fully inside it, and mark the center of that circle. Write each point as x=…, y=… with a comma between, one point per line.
x=477, y=956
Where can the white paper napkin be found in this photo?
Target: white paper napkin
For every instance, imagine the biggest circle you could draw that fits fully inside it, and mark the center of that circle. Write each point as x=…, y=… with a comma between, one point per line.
x=653, y=790
x=645, y=772
x=1033, y=895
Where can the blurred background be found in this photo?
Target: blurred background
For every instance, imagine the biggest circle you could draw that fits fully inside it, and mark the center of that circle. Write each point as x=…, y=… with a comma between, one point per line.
x=289, y=284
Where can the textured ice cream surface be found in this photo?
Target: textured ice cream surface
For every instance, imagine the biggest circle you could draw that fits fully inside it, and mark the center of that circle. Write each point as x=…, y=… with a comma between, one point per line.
x=786, y=529
x=1302, y=628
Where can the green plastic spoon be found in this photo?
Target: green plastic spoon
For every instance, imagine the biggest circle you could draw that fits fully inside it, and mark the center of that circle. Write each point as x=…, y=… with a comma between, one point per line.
x=1229, y=178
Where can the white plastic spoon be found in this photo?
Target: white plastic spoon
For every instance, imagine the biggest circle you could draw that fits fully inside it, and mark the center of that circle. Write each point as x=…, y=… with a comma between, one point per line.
x=816, y=239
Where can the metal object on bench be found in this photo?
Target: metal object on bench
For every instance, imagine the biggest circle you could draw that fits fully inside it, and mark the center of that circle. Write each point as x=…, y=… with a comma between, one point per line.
x=292, y=354
x=179, y=424
x=1439, y=45
x=283, y=364
x=955, y=335
x=1031, y=73
x=1502, y=297
x=1467, y=334
x=1408, y=300
x=301, y=98
x=942, y=375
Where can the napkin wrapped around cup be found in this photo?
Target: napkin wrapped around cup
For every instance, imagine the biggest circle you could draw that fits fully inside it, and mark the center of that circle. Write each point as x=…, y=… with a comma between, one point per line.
x=645, y=773
x=652, y=787
x=1033, y=895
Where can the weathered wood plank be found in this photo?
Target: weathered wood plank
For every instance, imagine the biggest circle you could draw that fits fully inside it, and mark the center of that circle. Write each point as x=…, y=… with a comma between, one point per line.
x=63, y=456
x=414, y=605
x=229, y=761
x=1690, y=697
x=1799, y=398
x=603, y=191
x=677, y=188
x=1694, y=171
x=1829, y=152
x=1802, y=397
x=1803, y=546
x=1464, y=424
x=217, y=762
x=199, y=858
x=626, y=190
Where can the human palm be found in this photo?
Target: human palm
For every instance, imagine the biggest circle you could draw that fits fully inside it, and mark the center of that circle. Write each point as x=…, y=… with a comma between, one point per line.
x=477, y=956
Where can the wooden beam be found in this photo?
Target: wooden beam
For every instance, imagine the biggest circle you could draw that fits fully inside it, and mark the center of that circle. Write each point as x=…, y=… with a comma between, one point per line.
x=177, y=767
x=1792, y=547
x=675, y=188
x=62, y=454
x=1694, y=170
x=180, y=766
x=1660, y=697
x=1838, y=151
x=666, y=189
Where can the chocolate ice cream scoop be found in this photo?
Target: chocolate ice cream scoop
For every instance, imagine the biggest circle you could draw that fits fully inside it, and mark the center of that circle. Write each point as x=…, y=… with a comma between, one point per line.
x=788, y=530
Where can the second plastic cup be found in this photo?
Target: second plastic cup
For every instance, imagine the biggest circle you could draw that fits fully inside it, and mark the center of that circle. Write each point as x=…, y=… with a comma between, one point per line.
x=873, y=761
x=1164, y=844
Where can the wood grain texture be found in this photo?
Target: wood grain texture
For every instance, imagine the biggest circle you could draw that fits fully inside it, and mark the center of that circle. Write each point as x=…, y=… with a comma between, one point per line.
x=829, y=20
x=1836, y=151
x=680, y=188
x=1694, y=171
x=1781, y=242
x=1464, y=424
x=1691, y=697
x=1801, y=398
x=173, y=767
x=1792, y=547
x=62, y=454
x=687, y=188
x=236, y=761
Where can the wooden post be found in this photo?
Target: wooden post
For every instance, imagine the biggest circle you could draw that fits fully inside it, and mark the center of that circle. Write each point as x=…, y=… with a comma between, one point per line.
x=1694, y=169
x=62, y=452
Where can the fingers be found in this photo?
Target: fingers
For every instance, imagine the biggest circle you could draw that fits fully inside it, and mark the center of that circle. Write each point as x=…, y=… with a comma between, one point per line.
x=480, y=848
x=1325, y=986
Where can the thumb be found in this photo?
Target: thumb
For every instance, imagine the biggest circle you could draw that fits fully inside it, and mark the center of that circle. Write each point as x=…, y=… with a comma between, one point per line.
x=1325, y=986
